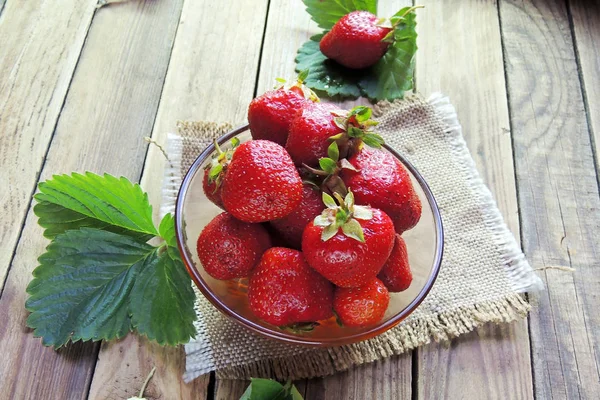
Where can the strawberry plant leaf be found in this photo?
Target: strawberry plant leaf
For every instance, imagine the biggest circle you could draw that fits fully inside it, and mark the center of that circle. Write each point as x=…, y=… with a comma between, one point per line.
x=393, y=74
x=81, y=288
x=98, y=285
x=327, y=12
x=166, y=230
x=268, y=389
x=325, y=75
x=90, y=200
x=162, y=299
x=57, y=219
x=388, y=79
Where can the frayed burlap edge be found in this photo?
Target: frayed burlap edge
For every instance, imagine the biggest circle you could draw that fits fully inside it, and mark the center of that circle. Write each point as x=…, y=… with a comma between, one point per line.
x=409, y=334
x=404, y=337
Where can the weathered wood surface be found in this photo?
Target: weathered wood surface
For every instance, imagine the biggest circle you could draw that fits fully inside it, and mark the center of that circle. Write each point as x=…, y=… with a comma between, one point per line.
x=558, y=195
x=101, y=128
x=95, y=102
x=586, y=33
x=492, y=362
x=39, y=47
x=207, y=80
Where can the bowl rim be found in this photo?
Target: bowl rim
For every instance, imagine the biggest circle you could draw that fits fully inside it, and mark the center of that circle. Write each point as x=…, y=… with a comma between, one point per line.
x=283, y=335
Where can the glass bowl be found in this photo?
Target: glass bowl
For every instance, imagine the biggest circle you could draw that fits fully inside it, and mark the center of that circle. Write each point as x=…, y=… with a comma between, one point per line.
x=424, y=243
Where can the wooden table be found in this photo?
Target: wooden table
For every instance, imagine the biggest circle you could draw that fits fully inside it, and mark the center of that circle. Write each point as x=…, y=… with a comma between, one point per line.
x=81, y=87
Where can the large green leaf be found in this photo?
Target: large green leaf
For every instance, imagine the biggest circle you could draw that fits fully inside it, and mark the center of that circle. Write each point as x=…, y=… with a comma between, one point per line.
x=393, y=74
x=90, y=200
x=327, y=12
x=97, y=285
x=325, y=75
x=162, y=299
x=81, y=289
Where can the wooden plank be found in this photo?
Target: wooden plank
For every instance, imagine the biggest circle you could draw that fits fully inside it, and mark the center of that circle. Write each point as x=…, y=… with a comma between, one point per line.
x=110, y=107
x=491, y=362
x=41, y=42
x=227, y=389
x=558, y=195
x=211, y=76
x=586, y=29
x=386, y=379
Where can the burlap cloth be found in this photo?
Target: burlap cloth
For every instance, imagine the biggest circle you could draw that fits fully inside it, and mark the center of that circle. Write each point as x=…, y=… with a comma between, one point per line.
x=482, y=273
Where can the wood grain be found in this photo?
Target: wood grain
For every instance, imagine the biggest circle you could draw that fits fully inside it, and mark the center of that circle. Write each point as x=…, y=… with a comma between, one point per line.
x=41, y=42
x=386, y=379
x=110, y=107
x=211, y=76
x=586, y=29
x=558, y=195
x=492, y=362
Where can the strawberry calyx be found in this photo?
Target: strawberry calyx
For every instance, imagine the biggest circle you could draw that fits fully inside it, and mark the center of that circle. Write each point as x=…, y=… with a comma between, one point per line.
x=219, y=162
x=342, y=214
x=298, y=87
x=357, y=127
x=394, y=22
x=331, y=167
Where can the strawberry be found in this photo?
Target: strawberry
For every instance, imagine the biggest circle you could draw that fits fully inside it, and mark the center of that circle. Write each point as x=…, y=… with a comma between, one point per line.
x=353, y=255
x=395, y=274
x=292, y=225
x=310, y=131
x=318, y=125
x=212, y=190
x=356, y=41
x=283, y=290
x=229, y=248
x=270, y=114
x=261, y=183
x=361, y=306
x=381, y=181
x=215, y=171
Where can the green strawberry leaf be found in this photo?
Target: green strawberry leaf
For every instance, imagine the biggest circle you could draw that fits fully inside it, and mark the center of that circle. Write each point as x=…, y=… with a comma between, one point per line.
x=388, y=79
x=104, y=202
x=325, y=75
x=57, y=219
x=166, y=230
x=98, y=285
x=327, y=12
x=393, y=74
x=268, y=389
x=162, y=299
x=81, y=288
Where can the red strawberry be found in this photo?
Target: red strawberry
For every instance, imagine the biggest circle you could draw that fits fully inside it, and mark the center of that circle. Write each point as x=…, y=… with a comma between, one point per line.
x=211, y=189
x=292, y=225
x=271, y=114
x=348, y=244
x=310, y=132
x=317, y=126
x=284, y=290
x=215, y=171
x=261, y=183
x=361, y=306
x=355, y=41
x=229, y=248
x=395, y=274
x=381, y=181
